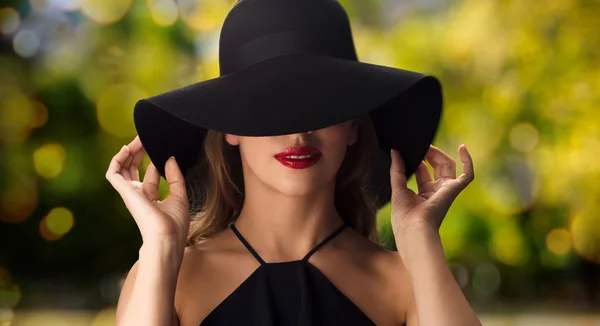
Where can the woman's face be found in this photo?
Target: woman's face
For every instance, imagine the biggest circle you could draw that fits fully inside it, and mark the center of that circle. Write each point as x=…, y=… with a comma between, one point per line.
x=295, y=164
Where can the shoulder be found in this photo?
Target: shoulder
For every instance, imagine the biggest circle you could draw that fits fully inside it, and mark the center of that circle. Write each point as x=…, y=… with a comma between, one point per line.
x=210, y=270
x=384, y=265
x=369, y=253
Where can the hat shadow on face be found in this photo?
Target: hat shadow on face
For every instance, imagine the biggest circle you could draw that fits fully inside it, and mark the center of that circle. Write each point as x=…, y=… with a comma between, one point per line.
x=288, y=67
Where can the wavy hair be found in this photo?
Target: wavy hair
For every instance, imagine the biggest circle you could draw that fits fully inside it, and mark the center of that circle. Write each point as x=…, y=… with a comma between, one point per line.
x=216, y=187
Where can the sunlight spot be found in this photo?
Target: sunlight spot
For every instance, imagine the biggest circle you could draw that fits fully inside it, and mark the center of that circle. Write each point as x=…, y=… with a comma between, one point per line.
x=558, y=241
x=49, y=160
x=486, y=280
x=26, y=43
x=164, y=12
x=56, y=223
x=105, y=11
x=19, y=200
x=9, y=21
x=17, y=114
x=585, y=230
x=203, y=15
x=115, y=109
x=524, y=137
x=10, y=293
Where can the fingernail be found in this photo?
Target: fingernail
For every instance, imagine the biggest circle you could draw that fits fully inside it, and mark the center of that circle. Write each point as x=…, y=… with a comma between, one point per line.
x=172, y=158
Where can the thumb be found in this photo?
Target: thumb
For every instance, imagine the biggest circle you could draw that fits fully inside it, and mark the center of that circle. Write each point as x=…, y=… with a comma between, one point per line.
x=175, y=179
x=397, y=171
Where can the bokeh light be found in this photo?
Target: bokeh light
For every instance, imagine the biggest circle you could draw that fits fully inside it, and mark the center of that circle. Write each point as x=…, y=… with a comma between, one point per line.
x=26, y=43
x=461, y=274
x=19, y=200
x=105, y=11
x=115, y=109
x=486, y=280
x=203, y=15
x=40, y=114
x=6, y=317
x=17, y=114
x=585, y=230
x=501, y=195
x=56, y=223
x=40, y=5
x=67, y=5
x=521, y=93
x=49, y=160
x=558, y=241
x=10, y=292
x=164, y=12
x=524, y=137
x=508, y=244
x=9, y=21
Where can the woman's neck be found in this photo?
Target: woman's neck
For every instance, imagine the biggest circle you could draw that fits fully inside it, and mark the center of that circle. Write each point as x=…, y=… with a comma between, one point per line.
x=287, y=227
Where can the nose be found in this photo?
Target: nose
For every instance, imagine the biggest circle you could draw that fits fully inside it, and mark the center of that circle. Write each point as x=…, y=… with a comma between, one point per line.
x=302, y=134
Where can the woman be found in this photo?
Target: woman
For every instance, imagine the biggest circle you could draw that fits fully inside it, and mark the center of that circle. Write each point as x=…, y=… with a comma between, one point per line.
x=283, y=225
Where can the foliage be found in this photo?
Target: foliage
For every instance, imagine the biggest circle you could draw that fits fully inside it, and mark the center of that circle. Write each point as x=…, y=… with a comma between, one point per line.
x=521, y=85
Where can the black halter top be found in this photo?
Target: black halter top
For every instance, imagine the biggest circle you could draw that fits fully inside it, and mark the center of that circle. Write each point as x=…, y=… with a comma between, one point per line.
x=287, y=293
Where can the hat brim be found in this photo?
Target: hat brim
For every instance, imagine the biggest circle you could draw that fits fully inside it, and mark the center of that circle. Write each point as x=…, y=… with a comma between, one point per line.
x=292, y=94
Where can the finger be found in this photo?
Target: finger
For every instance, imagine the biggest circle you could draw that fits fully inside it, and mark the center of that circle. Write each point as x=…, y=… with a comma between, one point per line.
x=467, y=165
x=135, y=146
x=443, y=165
x=397, y=171
x=423, y=177
x=175, y=179
x=117, y=160
x=151, y=182
x=113, y=173
x=135, y=163
x=126, y=164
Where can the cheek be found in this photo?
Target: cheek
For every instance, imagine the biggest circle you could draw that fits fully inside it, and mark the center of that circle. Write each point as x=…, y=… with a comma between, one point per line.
x=255, y=155
x=335, y=143
x=333, y=157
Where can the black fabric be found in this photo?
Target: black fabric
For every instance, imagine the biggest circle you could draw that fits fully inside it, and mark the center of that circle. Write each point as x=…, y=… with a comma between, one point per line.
x=254, y=31
x=289, y=66
x=291, y=94
x=287, y=293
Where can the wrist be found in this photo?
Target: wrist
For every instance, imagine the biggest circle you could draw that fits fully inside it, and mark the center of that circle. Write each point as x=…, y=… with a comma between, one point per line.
x=163, y=253
x=410, y=225
x=415, y=242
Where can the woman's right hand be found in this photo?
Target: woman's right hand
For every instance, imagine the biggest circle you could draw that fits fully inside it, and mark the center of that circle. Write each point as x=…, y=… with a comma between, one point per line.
x=157, y=220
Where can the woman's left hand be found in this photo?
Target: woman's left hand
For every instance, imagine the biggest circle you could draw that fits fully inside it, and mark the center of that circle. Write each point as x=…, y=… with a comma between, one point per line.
x=429, y=207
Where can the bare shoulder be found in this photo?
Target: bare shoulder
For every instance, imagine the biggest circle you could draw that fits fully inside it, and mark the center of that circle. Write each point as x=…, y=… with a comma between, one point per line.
x=370, y=253
x=383, y=265
x=209, y=272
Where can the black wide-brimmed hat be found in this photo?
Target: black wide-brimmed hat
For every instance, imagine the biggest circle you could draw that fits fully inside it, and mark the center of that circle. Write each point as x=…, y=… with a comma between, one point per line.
x=290, y=66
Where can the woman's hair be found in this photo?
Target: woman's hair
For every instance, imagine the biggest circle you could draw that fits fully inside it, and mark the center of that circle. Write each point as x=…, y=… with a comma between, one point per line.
x=217, y=201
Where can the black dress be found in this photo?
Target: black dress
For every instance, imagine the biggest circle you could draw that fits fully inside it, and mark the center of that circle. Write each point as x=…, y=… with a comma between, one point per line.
x=287, y=293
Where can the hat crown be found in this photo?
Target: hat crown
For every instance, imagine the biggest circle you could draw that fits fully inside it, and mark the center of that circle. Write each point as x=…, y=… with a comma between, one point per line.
x=256, y=30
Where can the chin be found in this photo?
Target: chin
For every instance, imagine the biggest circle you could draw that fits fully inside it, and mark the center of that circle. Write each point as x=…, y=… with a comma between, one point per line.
x=298, y=188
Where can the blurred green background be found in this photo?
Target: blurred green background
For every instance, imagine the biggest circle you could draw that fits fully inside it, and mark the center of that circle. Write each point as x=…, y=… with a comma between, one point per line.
x=522, y=90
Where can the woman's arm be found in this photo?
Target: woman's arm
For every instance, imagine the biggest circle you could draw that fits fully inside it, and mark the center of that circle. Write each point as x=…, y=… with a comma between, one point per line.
x=438, y=300
x=416, y=219
x=148, y=294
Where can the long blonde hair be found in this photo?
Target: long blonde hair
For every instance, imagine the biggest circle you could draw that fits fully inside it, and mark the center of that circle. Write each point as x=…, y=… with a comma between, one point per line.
x=217, y=201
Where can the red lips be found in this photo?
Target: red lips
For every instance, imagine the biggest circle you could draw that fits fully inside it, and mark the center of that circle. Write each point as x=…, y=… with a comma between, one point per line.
x=299, y=157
